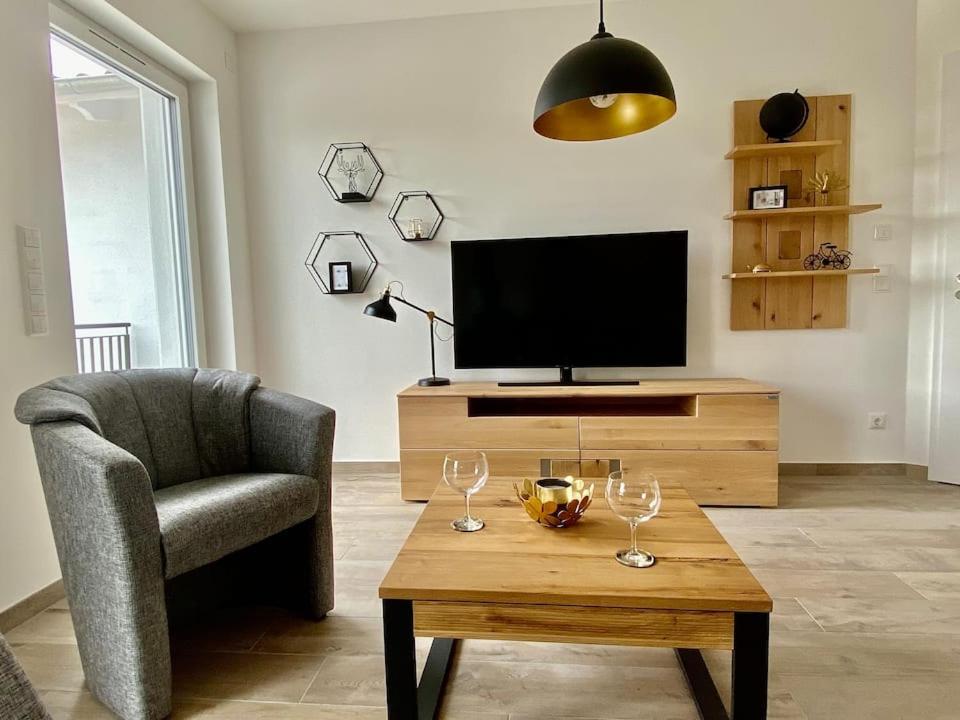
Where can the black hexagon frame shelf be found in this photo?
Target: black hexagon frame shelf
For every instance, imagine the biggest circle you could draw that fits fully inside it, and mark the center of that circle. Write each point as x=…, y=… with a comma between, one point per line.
x=350, y=172
x=336, y=247
x=412, y=211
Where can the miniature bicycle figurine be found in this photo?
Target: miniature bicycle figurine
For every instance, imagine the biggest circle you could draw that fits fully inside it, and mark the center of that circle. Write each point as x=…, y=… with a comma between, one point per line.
x=829, y=258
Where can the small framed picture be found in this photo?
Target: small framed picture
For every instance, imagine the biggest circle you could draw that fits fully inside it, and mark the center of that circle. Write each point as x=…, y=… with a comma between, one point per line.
x=341, y=277
x=770, y=197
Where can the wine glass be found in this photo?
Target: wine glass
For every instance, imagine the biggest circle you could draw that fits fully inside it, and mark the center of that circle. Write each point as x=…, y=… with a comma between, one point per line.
x=466, y=472
x=634, y=497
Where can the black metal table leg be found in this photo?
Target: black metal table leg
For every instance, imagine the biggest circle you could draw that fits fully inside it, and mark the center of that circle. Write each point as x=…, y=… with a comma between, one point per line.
x=400, y=659
x=704, y=691
x=751, y=649
x=406, y=701
x=434, y=677
x=751, y=644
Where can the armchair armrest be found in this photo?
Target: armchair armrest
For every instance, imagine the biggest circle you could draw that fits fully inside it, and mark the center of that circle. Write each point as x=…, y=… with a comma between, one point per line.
x=99, y=490
x=108, y=539
x=290, y=434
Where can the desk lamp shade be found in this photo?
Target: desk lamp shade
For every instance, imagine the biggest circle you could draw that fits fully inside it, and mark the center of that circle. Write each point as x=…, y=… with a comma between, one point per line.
x=381, y=308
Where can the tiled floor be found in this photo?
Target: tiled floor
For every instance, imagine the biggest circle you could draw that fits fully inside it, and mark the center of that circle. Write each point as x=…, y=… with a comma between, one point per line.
x=865, y=573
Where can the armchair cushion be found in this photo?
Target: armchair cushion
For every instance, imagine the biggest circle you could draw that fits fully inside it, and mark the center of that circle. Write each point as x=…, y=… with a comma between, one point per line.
x=221, y=419
x=164, y=400
x=205, y=520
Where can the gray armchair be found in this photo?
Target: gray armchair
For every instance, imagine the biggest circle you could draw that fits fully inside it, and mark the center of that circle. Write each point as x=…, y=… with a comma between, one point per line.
x=18, y=699
x=170, y=491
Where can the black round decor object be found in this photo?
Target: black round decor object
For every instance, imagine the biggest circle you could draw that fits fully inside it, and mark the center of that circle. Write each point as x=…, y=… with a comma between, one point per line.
x=784, y=115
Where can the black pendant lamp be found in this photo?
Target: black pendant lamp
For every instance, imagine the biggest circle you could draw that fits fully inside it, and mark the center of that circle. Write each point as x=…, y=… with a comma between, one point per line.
x=605, y=88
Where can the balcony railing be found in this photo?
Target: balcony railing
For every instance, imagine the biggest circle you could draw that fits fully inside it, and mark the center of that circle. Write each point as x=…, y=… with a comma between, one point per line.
x=102, y=347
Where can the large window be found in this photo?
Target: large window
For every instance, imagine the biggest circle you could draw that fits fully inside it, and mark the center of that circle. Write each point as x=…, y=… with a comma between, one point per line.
x=122, y=130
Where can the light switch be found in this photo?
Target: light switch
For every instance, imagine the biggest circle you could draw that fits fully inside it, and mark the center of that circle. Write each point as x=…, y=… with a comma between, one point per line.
x=30, y=251
x=32, y=258
x=883, y=233
x=30, y=237
x=38, y=304
x=34, y=281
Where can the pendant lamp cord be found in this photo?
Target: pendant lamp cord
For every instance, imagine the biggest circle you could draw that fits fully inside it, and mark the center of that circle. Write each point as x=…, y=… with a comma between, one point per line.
x=602, y=28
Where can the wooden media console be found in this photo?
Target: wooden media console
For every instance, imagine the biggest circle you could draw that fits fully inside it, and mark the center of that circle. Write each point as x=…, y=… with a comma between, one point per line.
x=718, y=438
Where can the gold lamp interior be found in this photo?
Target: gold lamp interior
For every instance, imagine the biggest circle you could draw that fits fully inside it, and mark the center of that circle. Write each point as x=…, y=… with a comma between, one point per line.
x=582, y=120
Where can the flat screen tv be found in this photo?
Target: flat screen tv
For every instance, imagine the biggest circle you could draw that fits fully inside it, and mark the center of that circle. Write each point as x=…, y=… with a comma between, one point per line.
x=565, y=302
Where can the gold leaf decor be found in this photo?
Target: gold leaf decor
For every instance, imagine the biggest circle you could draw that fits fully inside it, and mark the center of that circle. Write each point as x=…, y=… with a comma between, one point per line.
x=827, y=182
x=555, y=502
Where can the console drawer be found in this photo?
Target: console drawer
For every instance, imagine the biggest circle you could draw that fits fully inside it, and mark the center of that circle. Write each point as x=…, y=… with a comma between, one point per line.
x=711, y=477
x=445, y=422
x=422, y=470
x=714, y=422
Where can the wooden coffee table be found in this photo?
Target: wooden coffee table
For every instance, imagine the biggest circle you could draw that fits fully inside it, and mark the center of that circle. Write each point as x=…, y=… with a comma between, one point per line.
x=515, y=580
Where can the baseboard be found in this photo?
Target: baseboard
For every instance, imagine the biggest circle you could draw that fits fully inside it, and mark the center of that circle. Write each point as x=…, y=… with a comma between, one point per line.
x=374, y=466
x=25, y=609
x=854, y=469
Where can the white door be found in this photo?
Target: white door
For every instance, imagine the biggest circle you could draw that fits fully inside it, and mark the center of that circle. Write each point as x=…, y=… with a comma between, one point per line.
x=945, y=403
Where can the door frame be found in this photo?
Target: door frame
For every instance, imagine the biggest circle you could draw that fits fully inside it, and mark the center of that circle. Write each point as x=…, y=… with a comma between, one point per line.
x=77, y=29
x=944, y=285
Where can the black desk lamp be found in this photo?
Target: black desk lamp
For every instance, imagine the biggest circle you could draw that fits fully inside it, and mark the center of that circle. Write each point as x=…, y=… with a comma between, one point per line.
x=382, y=309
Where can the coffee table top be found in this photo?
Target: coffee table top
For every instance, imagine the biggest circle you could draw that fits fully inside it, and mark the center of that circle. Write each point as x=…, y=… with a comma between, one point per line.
x=515, y=560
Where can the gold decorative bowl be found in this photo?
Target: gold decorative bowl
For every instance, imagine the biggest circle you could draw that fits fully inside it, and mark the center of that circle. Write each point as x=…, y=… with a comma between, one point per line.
x=555, y=502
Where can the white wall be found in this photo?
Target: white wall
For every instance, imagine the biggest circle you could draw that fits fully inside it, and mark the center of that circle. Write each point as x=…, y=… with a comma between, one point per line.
x=29, y=195
x=937, y=23
x=446, y=104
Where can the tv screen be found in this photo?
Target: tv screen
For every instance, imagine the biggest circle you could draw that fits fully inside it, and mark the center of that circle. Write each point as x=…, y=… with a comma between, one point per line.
x=584, y=301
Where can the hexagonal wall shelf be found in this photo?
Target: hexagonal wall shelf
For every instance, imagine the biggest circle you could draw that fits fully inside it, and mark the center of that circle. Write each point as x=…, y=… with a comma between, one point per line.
x=339, y=248
x=350, y=172
x=415, y=215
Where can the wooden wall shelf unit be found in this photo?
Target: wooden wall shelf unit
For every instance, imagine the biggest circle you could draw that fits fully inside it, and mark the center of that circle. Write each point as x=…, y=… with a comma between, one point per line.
x=789, y=297
x=719, y=438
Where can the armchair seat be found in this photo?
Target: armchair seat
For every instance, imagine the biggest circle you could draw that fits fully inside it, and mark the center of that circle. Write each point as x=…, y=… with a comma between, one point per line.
x=205, y=520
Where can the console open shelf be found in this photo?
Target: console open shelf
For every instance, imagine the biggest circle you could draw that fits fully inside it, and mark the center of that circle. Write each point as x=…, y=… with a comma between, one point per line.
x=662, y=406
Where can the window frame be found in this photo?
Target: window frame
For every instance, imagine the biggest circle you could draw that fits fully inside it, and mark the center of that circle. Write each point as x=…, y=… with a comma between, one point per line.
x=77, y=30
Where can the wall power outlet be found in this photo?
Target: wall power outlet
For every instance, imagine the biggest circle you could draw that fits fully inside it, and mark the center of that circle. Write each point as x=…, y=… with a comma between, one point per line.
x=877, y=421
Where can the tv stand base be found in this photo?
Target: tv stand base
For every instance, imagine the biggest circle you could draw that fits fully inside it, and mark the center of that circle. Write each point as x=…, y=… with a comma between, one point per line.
x=571, y=383
x=566, y=380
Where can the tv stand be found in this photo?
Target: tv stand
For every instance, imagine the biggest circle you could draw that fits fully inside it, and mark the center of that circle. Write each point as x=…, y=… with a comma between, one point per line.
x=718, y=438
x=566, y=380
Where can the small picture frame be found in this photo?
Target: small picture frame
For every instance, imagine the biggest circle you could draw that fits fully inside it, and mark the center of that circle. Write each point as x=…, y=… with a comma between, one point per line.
x=768, y=197
x=341, y=277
